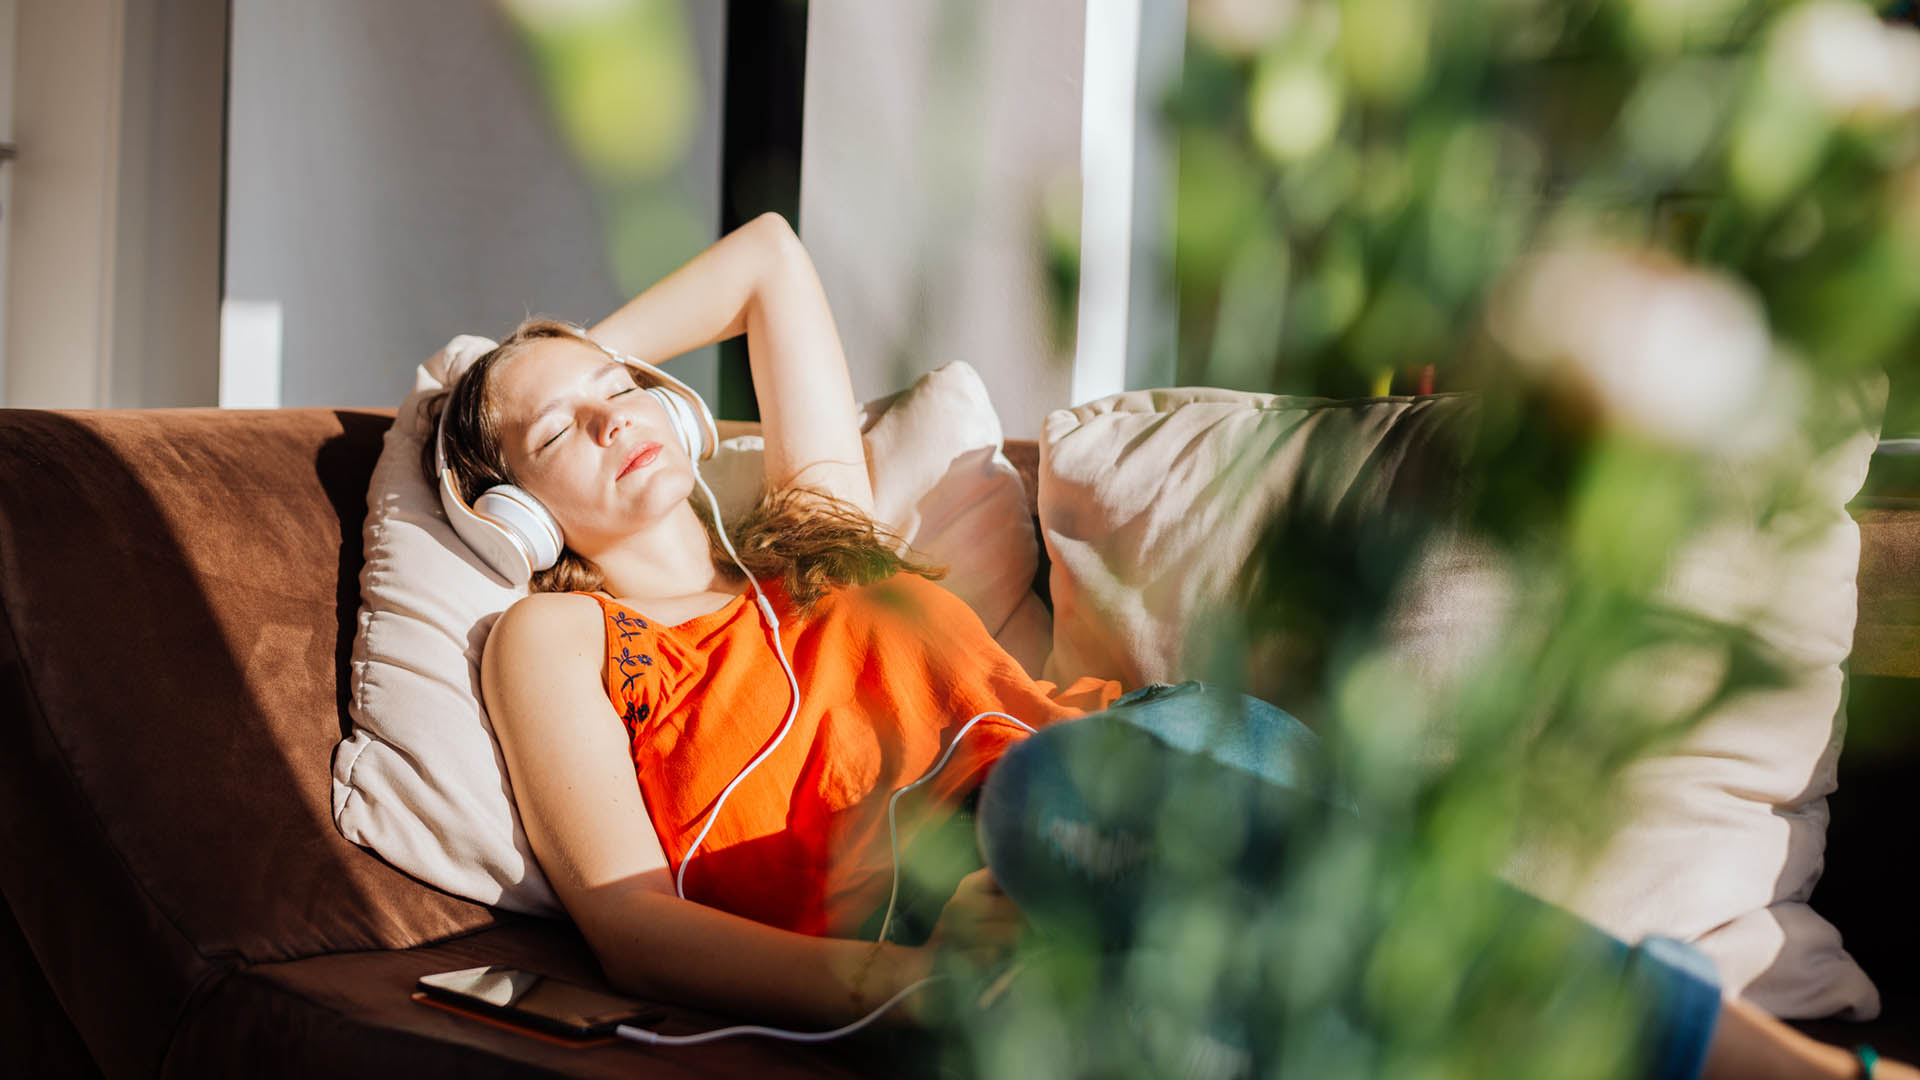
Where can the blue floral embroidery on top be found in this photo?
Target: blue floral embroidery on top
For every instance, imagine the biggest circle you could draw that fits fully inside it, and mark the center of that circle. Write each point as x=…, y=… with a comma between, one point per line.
x=628, y=661
x=631, y=664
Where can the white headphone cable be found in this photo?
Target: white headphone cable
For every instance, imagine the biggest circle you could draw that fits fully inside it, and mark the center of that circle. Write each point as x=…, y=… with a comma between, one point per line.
x=680, y=878
x=893, y=834
x=655, y=1038
x=679, y=883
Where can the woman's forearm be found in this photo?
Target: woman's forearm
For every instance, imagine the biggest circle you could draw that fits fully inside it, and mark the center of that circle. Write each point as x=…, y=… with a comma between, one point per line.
x=704, y=301
x=668, y=949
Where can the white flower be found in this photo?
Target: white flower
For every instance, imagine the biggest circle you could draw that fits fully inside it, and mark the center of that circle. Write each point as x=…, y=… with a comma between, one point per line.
x=1674, y=353
x=1294, y=109
x=1847, y=60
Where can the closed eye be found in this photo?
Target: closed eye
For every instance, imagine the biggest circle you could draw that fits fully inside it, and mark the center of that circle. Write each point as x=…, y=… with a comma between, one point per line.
x=563, y=431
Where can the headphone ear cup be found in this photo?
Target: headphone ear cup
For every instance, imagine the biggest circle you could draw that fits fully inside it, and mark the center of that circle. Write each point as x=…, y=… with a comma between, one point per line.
x=525, y=521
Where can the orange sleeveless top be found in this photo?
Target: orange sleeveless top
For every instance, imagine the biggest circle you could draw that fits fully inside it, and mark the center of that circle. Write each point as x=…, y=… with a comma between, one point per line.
x=888, y=674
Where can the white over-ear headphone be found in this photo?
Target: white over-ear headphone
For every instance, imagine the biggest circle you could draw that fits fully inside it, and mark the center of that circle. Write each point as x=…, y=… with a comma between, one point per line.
x=509, y=529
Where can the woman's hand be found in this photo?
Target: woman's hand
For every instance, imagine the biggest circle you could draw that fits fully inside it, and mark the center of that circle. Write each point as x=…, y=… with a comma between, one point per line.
x=979, y=922
x=978, y=927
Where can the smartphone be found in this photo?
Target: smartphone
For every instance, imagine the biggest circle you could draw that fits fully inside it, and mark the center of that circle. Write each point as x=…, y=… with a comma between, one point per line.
x=537, y=1001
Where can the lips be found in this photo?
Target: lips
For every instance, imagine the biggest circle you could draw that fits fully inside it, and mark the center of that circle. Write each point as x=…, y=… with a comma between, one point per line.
x=641, y=457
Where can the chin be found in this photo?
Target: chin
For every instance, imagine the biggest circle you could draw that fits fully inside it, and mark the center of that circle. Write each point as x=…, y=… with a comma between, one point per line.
x=665, y=490
x=680, y=480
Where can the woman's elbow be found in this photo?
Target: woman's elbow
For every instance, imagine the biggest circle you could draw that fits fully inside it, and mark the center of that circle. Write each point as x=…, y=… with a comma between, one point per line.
x=775, y=222
x=616, y=927
x=623, y=977
x=785, y=251
x=625, y=962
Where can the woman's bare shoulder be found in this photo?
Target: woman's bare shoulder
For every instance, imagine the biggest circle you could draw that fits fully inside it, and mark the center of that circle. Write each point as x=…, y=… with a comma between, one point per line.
x=543, y=662
x=547, y=625
x=554, y=607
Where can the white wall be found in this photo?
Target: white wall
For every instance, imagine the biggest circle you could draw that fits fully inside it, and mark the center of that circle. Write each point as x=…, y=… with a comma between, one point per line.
x=1127, y=315
x=933, y=130
x=9, y=12
x=165, y=327
x=114, y=215
x=395, y=178
x=66, y=126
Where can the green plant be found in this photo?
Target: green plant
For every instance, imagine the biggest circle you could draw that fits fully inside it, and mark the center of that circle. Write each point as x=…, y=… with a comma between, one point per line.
x=1668, y=245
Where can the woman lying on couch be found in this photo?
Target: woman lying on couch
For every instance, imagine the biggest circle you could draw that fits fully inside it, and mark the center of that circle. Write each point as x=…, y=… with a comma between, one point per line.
x=751, y=868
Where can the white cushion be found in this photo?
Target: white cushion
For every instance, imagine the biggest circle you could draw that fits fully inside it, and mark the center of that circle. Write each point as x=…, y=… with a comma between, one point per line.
x=421, y=781
x=1725, y=834
x=1150, y=502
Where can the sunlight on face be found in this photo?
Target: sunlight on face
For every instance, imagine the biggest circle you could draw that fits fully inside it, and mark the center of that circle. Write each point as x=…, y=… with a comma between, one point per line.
x=571, y=423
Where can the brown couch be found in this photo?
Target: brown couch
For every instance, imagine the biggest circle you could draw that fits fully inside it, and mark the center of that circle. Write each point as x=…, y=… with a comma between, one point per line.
x=177, y=599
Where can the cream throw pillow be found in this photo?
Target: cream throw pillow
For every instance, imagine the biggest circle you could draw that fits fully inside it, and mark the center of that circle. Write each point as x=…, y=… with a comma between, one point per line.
x=421, y=780
x=1725, y=834
x=1150, y=501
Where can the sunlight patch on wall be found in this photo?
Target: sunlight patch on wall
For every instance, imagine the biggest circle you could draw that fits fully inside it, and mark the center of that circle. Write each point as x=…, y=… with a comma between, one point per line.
x=251, y=333
x=1106, y=207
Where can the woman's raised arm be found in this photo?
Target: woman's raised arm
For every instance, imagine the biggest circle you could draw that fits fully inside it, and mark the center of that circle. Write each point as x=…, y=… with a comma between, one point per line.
x=573, y=783
x=702, y=302
x=759, y=280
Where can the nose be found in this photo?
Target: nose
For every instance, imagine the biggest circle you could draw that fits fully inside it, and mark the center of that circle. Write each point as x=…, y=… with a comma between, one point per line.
x=615, y=416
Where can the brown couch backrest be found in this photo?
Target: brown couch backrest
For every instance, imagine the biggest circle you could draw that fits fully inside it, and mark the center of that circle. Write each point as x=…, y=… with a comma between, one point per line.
x=177, y=599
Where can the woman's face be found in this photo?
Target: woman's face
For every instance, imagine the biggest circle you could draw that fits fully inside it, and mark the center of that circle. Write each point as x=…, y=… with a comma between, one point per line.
x=585, y=439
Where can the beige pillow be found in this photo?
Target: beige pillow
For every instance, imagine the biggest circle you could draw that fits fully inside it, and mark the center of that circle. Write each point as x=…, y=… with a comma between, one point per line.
x=1150, y=502
x=421, y=781
x=1726, y=833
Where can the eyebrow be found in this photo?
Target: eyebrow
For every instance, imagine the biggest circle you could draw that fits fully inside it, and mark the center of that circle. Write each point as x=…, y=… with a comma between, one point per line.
x=611, y=365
